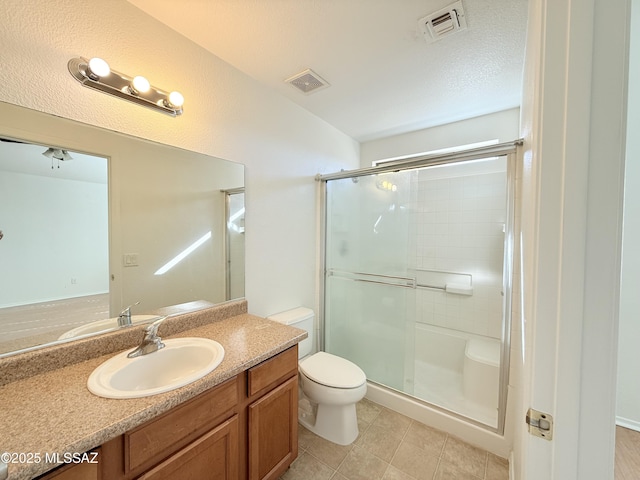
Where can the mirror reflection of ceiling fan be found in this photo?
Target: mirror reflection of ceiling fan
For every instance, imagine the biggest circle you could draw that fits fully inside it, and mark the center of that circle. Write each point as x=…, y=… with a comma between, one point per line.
x=52, y=153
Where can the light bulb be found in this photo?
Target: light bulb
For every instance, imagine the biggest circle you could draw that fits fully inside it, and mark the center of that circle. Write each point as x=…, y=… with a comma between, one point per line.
x=98, y=67
x=176, y=99
x=140, y=84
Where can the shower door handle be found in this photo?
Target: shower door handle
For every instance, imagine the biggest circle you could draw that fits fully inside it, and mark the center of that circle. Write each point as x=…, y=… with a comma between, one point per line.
x=388, y=284
x=376, y=278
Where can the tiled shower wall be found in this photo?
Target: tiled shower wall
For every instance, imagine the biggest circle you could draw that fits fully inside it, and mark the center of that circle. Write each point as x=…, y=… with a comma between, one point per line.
x=456, y=224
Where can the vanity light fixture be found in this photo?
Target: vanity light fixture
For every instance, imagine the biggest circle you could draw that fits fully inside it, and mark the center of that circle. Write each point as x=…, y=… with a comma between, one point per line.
x=97, y=74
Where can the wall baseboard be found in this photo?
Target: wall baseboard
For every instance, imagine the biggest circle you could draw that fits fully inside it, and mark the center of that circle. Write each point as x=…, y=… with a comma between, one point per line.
x=628, y=423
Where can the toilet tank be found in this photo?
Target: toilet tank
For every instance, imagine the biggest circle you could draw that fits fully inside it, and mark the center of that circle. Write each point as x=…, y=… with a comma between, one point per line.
x=300, y=317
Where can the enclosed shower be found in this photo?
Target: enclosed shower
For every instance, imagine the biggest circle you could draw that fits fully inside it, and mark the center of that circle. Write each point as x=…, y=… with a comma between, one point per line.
x=417, y=280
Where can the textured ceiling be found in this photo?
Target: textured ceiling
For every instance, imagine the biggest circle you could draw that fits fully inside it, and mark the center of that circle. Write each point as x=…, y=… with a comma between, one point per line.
x=385, y=78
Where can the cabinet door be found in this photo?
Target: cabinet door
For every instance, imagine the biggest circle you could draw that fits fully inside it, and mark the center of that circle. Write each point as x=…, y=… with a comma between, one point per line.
x=273, y=431
x=79, y=471
x=212, y=456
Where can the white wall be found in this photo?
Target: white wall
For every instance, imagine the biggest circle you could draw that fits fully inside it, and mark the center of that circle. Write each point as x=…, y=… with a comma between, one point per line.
x=227, y=115
x=56, y=243
x=168, y=199
x=628, y=390
x=503, y=126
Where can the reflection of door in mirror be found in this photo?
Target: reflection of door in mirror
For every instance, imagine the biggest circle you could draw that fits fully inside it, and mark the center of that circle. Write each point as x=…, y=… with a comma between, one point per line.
x=165, y=224
x=55, y=247
x=235, y=243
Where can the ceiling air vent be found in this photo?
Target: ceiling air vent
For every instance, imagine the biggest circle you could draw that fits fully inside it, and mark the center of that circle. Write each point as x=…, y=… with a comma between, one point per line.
x=307, y=81
x=444, y=22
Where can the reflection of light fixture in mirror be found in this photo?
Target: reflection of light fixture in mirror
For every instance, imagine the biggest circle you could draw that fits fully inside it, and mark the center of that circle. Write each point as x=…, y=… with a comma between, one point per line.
x=95, y=73
x=58, y=154
x=386, y=185
x=182, y=255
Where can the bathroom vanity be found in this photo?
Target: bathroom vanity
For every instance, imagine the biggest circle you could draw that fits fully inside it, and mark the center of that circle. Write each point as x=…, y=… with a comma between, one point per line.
x=238, y=422
x=251, y=416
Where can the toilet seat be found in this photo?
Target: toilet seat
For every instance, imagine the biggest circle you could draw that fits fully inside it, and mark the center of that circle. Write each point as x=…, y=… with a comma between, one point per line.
x=332, y=371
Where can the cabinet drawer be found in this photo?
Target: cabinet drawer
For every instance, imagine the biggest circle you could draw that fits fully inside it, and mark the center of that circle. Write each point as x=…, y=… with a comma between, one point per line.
x=214, y=455
x=155, y=440
x=274, y=370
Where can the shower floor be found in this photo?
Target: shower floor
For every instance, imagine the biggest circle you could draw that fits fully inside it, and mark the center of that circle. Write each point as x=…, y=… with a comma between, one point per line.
x=443, y=387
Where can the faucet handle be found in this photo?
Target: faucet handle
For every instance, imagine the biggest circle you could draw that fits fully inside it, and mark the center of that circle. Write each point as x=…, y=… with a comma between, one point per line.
x=127, y=311
x=151, y=341
x=151, y=330
x=124, y=319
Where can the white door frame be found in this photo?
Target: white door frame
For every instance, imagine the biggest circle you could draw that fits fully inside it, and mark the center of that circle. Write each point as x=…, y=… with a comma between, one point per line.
x=573, y=122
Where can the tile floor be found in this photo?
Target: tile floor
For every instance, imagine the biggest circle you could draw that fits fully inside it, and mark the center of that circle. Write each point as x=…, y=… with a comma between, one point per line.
x=393, y=447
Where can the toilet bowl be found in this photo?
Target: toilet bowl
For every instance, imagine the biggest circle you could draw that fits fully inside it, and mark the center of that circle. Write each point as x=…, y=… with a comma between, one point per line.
x=330, y=385
x=334, y=385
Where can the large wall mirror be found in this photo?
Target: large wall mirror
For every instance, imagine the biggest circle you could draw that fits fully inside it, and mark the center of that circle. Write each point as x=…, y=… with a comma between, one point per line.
x=92, y=221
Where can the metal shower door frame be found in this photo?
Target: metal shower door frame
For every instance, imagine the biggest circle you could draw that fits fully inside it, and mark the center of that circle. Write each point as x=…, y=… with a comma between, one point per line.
x=508, y=149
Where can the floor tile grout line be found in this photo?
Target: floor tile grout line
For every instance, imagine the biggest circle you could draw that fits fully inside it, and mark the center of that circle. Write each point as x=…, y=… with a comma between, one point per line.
x=377, y=411
x=346, y=456
x=335, y=470
x=398, y=447
x=435, y=473
x=341, y=462
x=444, y=444
x=486, y=458
x=486, y=466
x=368, y=427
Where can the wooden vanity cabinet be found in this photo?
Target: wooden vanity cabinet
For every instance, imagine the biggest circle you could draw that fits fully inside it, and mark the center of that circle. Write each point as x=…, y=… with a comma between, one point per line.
x=213, y=455
x=273, y=416
x=191, y=425
x=81, y=471
x=243, y=429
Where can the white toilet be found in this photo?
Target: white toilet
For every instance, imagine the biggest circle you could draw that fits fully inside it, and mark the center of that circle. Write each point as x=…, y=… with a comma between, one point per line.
x=330, y=384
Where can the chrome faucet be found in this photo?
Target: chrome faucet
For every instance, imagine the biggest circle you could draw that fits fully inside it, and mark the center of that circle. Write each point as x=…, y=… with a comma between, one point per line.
x=151, y=341
x=124, y=319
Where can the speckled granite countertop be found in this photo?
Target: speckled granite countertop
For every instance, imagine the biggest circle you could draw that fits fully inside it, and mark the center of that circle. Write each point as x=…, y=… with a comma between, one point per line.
x=54, y=412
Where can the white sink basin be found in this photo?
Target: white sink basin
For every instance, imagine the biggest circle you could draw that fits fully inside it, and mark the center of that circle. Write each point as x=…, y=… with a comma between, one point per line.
x=180, y=362
x=102, y=325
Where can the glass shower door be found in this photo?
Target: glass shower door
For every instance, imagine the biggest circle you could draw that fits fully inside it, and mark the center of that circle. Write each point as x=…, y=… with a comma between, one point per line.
x=368, y=296
x=417, y=286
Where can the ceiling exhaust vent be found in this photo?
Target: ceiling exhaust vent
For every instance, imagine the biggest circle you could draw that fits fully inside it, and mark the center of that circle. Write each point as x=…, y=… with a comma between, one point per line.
x=308, y=81
x=444, y=22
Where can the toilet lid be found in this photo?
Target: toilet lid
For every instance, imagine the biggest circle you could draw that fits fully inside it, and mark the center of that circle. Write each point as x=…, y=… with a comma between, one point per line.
x=332, y=371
